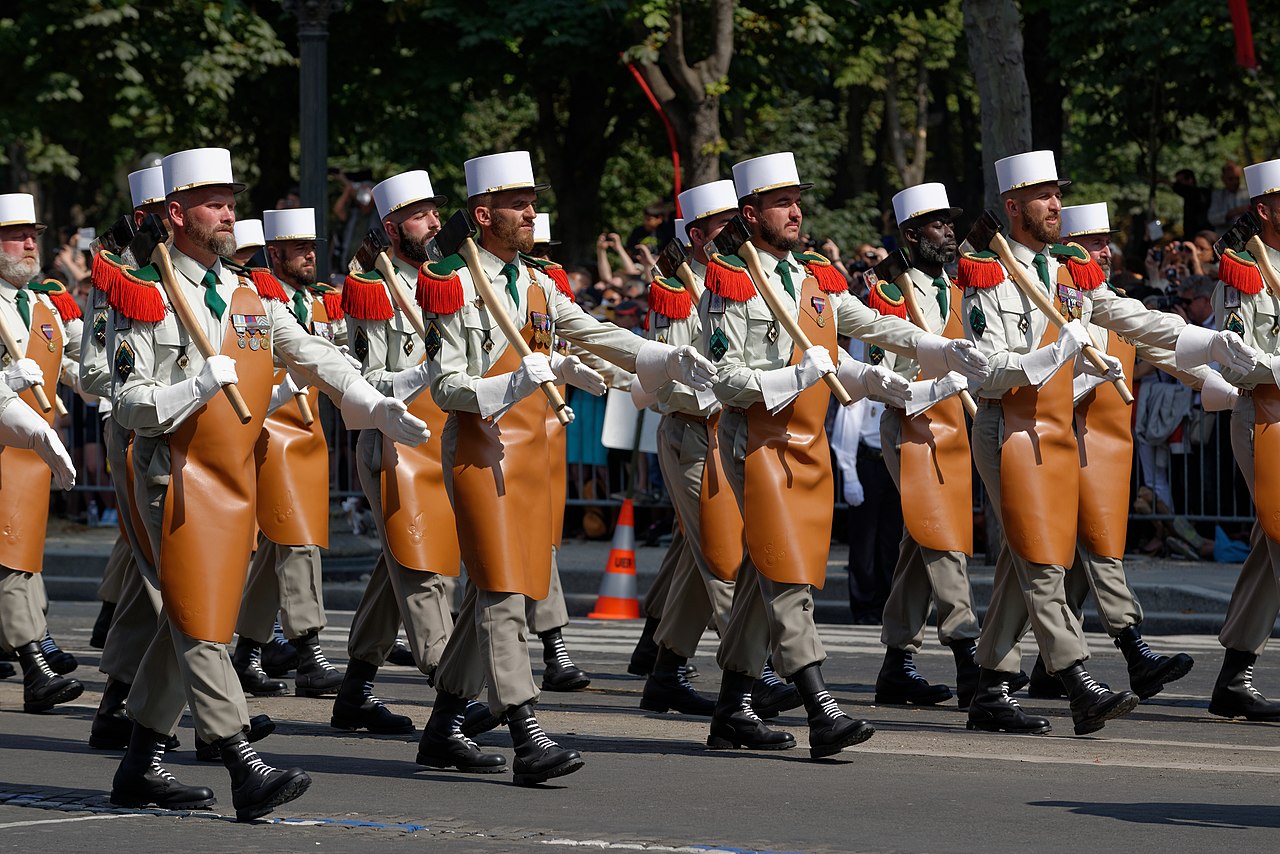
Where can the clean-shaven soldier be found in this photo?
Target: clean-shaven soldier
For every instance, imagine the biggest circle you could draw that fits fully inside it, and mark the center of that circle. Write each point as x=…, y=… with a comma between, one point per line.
x=774, y=447
x=293, y=489
x=404, y=486
x=928, y=458
x=46, y=329
x=196, y=480
x=1024, y=444
x=495, y=457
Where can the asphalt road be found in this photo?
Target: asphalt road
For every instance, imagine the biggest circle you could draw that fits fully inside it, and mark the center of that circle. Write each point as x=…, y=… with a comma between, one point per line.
x=1168, y=778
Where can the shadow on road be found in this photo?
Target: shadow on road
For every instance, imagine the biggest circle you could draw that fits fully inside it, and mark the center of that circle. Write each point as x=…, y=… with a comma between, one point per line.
x=1224, y=816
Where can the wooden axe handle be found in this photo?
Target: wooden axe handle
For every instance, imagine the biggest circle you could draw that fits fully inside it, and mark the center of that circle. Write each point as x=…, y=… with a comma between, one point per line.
x=917, y=317
x=485, y=289
x=16, y=352
x=1269, y=275
x=783, y=316
x=685, y=274
x=181, y=308
x=411, y=311
x=304, y=408
x=1036, y=294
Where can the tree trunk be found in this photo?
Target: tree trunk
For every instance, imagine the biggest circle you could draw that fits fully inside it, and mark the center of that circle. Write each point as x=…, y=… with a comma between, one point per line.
x=705, y=143
x=1044, y=82
x=994, y=36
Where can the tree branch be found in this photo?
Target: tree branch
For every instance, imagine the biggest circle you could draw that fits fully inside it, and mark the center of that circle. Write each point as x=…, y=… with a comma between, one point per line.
x=683, y=76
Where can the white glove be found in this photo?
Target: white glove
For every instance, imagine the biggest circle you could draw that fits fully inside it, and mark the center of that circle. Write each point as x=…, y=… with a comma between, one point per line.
x=1040, y=365
x=657, y=364
x=534, y=370
x=1199, y=346
x=409, y=383
x=854, y=494
x=218, y=370
x=571, y=370
x=1218, y=395
x=363, y=407
x=640, y=397
x=1229, y=350
x=863, y=380
x=351, y=360
x=939, y=356
x=780, y=386
x=282, y=394
x=568, y=411
x=925, y=393
x=1113, y=371
x=23, y=374
x=21, y=427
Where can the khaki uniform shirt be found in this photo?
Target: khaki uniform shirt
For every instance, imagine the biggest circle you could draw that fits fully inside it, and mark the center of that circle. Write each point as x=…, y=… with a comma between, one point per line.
x=674, y=396
x=387, y=347
x=1256, y=318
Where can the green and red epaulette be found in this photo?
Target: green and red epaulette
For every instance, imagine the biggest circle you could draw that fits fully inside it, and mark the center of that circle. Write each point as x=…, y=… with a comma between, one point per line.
x=62, y=300
x=134, y=293
x=364, y=297
x=1086, y=273
x=887, y=298
x=727, y=277
x=440, y=286
x=980, y=270
x=1240, y=271
x=670, y=298
x=553, y=271
x=332, y=299
x=830, y=280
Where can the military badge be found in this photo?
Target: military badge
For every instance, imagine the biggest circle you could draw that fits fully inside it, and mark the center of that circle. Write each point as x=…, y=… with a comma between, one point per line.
x=100, y=328
x=562, y=346
x=772, y=334
x=46, y=329
x=1235, y=324
x=1023, y=324
x=875, y=355
x=122, y=322
x=408, y=345
x=432, y=340
x=1230, y=297
x=716, y=304
x=719, y=344
x=487, y=343
x=124, y=361
x=819, y=306
x=1072, y=300
x=661, y=321
x=322, y=329
x=360, y=346
x=977, y=320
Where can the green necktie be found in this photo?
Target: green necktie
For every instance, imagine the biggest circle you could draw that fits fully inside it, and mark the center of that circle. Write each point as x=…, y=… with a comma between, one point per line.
x=216, y=303
x=784, y=271
x=23, y=299
x=511, y=274
x=1042, y=267
x=300, y=306
x=943, y=287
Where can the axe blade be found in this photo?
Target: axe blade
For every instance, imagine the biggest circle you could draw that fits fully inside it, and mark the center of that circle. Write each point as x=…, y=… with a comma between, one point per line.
x=375, y=242
x=149, y=235
x=452, y=235
x=672, y=256
x=121, y=233
x=1238, y=235
x=982, y=233
x=730, y=239
x=894, y=265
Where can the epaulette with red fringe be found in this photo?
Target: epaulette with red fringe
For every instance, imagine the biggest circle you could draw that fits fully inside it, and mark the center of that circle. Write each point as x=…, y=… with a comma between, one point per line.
x=365, y=297
x=980, y=270
x=133, y=293
x=553, y=271
x=727, y=277
x=1240, y=271
x=332, y=299
x=62, y=300
x=887, y=298
x=830, y=280
x=440, y=287
x=670, y=298
x=1085, y=272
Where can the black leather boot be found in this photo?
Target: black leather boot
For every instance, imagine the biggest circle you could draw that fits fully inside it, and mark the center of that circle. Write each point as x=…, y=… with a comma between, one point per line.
x=770, y=696
x=141, y=780
x=1018, y=681
x=666, y=688
x=646, y=651
x=400, y=654
x=42, y=689
x=102, y=625
x=247, y=661
x=256, y=787
x=561, y=673
x=260, y=726
x=444, y=746
x=1093, y=704
x=1148, y=672
x=993, y=710
x=1044, y=685
x=111, y=728
x=900, y=684
x=477, y=719
x=1233, y=693
x=538, y=758
x=279, y=657
x=965, y=653
x=356, y=707
x=830, y=729
x=60, y=662
x=7, y=670
x=316, y=677
x=734, y=722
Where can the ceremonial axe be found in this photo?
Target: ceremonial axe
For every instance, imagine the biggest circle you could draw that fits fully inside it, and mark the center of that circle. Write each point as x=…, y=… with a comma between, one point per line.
x=117, y=237
x=374, y=253
x=456, y=237
x=674, y=262
x=735, y=239
x=986, y=234
x=894, y=269
x=1246, y=234
x=148, y=245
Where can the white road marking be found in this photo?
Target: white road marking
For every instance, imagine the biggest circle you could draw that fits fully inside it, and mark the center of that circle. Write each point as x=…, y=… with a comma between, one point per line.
x=12, y=824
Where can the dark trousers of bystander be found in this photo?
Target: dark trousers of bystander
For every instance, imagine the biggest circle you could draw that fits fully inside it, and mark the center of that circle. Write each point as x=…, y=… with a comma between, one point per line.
x=875, y=532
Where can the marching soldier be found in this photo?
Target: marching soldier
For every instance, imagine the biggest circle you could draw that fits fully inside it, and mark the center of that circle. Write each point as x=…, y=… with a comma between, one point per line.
x=249, y=240
x=195, y=473
x=774, y=447
x=495, y=457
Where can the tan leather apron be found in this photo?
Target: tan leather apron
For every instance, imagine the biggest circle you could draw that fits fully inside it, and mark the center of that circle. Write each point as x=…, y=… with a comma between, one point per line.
x=1040, y=468
x=210, y=525
x=1105, y=438
x=24, y=477
x=558, y=452
x=501, y=494
x=721, y=530
x=936, y=468
x=1266, y=457
x=788, y=486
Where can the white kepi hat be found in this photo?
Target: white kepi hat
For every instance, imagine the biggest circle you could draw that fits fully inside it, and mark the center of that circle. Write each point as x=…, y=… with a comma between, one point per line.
x=542, y=230
x=198, y=167
x=682, y=230
x=707, y=199
x=1026, y=169
x=248, y=233
x=920, y=200
x=19, y=209
x=1262, y=178
x=404, y=189
x=511, y=170
x=770, y=172
x=289, y=224
x=1081, y=220
x=146, y=186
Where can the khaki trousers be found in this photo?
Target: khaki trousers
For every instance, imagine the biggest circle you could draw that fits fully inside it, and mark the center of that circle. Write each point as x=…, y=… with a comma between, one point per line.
x=1022, y=590
x=22, y=617
x=765, y=615
x=489, y=646
x=1255, y=601
x=1118, y=607
x=283, y=580
x=116, y=569
x=923, y=576
x=655, y=598
x=551, y=613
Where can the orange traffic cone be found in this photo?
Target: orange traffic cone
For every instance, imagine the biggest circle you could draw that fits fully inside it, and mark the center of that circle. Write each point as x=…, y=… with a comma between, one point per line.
x=617, y=599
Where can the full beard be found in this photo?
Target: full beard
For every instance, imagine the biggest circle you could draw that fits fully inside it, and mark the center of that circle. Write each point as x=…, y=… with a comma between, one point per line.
x=414, y=248
x=210, y=239
x=1040, y=229
x=510, y=233
x=298, y=271
x=937, y=253
x=775, y=237
x=19, y=271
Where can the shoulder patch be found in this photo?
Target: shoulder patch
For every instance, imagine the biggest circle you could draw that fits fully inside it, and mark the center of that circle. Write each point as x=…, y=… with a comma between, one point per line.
x=669, y=298
x=360, y=344
x=124, y=361
x=980, y=270
x=977, y=320
x=875, y=355
x=1240, y=271
x=364, y=297
x=719, y=344
x=727, y=277
x=1234, y=323
x=432, y=340
x=887, y=298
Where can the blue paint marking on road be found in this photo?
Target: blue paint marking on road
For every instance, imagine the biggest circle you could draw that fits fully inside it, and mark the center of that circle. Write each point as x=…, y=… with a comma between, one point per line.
x=343, y=822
